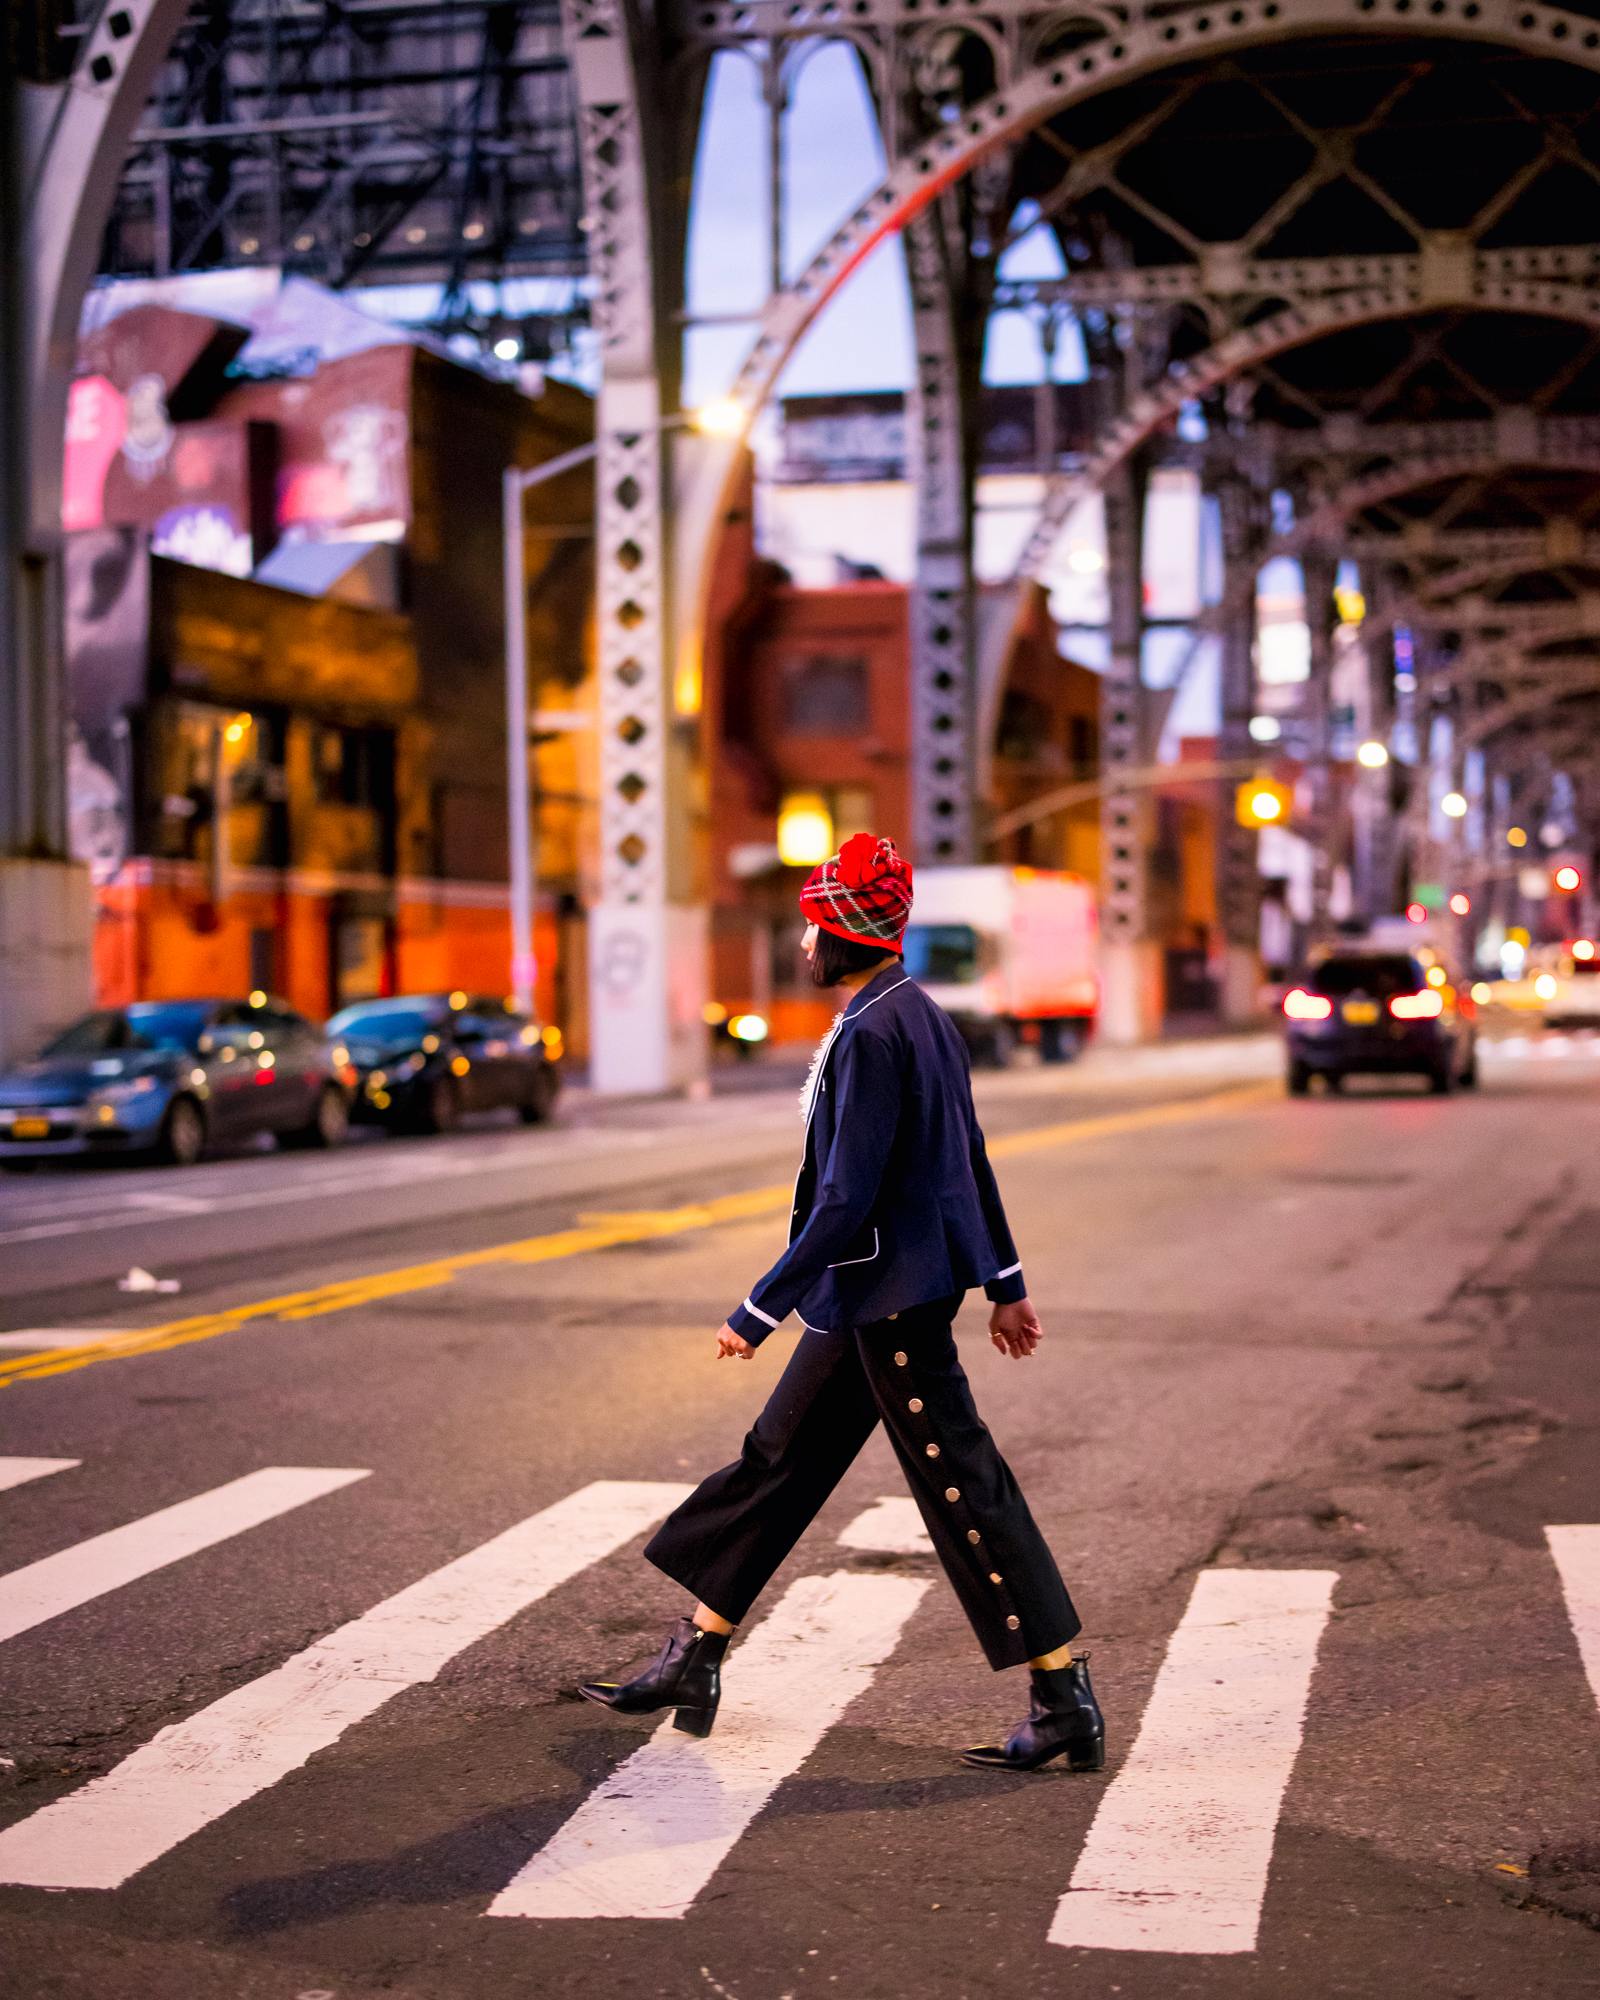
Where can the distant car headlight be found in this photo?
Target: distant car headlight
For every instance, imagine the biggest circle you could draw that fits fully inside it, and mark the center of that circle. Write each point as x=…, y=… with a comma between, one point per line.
x=123, y=1093
x=102, y=1107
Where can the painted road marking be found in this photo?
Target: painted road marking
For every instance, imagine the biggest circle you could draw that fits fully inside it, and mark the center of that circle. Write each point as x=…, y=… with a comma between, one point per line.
x=18, y=1471
x=372, y=1170
x=1178, y=1854
x=60, y=1336
x=192, y=1773
x=1577, y=1554
x=650, y=1839
x=59, y=1583
x=893, y=1527
x=631, y=1228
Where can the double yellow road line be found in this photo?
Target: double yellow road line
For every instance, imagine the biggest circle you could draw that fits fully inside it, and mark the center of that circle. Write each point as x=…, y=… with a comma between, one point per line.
x=594, y=1232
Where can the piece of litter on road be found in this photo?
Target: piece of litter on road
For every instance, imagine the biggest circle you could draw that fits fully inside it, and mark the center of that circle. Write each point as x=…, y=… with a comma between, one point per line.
x=140, y=1280
x=1510, y=1868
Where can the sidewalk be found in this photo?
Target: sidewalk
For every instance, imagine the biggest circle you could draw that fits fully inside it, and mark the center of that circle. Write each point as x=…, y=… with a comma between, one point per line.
x=769, y=1076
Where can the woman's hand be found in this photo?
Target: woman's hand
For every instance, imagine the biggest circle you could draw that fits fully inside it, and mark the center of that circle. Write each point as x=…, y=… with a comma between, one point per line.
x=733, y=1346
x=1015, y=1329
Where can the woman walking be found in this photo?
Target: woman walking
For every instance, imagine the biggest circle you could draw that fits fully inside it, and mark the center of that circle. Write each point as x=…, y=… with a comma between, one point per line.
x=896, y=1215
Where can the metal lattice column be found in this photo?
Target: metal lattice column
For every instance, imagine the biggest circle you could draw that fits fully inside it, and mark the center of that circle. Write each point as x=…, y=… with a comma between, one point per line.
x=64, y=138
x=1122, y=865
x=1320, y=571
x=1238, y=874
x=643, y=972
x=941, y=600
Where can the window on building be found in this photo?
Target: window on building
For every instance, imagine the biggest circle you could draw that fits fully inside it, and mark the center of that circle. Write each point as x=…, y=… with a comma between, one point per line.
x=354, y=767
x=1024, y=727
x=825, y=694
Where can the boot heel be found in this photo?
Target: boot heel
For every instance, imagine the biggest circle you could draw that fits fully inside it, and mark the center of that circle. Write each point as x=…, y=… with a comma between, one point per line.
x=1089, y=1756
x=694, y=1721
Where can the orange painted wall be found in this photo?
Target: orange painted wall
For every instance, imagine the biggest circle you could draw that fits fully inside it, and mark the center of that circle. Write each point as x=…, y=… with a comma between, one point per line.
x=159, y=939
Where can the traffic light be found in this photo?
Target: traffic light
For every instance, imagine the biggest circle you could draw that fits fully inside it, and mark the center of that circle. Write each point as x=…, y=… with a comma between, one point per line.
x=1568, y=880
x=1262, y=802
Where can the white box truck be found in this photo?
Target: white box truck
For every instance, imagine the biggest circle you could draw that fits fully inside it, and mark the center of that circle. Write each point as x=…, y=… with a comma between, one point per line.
x=998, y=948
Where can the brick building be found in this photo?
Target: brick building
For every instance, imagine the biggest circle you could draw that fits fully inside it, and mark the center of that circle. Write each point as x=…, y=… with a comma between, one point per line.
x=285, y=621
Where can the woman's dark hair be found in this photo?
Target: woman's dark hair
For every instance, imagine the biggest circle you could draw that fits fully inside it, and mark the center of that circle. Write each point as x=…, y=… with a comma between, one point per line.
x=835, y=957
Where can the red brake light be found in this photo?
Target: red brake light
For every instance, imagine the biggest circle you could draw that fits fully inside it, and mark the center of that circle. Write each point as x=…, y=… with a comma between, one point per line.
x=1303, y=1006
x=1417, y=1006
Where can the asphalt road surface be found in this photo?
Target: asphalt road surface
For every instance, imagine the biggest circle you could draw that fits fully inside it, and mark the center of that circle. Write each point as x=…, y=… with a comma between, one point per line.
x=303, y=1563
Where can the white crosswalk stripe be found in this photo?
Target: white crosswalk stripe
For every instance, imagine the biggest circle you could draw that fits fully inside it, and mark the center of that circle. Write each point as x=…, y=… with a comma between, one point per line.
x=1577, y=1556
x=1176, y=1860
x=192, y=1773
x=648, y=1840
x=1177, y=1857
x=59, y=1583
x=18, y=1471
x=891, y=1527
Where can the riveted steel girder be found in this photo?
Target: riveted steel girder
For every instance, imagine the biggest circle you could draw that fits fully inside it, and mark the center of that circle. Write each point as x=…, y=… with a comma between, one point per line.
x=64, y=143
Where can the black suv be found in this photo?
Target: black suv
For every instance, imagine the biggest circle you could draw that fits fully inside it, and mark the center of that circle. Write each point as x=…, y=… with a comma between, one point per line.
x=1389, y=1012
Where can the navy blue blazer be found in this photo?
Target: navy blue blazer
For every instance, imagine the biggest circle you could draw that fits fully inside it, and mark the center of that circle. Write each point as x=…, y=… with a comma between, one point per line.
x=896, y=1202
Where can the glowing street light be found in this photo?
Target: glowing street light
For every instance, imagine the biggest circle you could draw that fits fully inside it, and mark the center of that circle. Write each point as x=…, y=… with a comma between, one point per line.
x=1373, y=755
x=805, y=830
x=1454, y=805
x=1461, y=905
x=1568, y=879
x=1262, y=802
x=724, y=418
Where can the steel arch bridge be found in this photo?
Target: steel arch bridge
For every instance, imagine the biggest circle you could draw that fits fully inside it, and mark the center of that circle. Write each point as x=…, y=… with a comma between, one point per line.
x=1353, y=245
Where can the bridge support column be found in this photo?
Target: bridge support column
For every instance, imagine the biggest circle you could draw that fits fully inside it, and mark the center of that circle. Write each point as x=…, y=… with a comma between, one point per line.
x=943, y=701
x=1131, y=997
x=647, y=937
x=65, y=121
x=1239, y=875
x=1320, y=571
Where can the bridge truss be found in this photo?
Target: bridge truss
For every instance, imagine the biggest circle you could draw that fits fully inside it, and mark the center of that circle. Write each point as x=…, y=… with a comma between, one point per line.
x=1343, y=251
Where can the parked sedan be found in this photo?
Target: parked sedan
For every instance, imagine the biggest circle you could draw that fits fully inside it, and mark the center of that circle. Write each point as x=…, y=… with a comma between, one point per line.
x=1380, y=1011
x=424, y=1059
x=165, y=1078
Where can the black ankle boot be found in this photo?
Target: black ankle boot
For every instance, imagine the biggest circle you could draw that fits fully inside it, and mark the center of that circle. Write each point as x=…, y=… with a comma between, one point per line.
x=1063, y=1720
x=687, y=1676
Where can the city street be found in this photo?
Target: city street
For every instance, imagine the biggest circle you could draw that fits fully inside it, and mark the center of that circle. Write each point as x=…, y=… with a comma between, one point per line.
x=1318, y=1377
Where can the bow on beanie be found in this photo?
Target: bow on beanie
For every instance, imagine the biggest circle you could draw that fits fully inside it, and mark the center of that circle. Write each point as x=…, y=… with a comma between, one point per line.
x=864, y=892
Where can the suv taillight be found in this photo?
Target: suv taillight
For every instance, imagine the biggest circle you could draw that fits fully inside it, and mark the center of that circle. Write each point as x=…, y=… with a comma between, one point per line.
x=1424, y=1006
x=1303, y=1006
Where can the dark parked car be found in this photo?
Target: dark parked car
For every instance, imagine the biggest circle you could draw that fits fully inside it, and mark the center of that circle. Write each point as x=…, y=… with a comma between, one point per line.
x=426, y=1058
x=1388, y=1012
x=165, y=1078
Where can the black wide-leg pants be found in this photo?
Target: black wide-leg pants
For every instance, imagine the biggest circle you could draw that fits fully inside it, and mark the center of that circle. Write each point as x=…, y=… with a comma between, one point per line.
x=733, y=1531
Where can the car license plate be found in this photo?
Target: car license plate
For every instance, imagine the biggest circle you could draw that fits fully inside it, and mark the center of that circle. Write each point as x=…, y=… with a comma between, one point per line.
x=1361, y=1013
x=30, y=1128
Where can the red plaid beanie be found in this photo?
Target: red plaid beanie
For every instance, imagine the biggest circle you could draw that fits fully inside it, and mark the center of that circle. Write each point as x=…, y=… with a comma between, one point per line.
x=864, y=892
